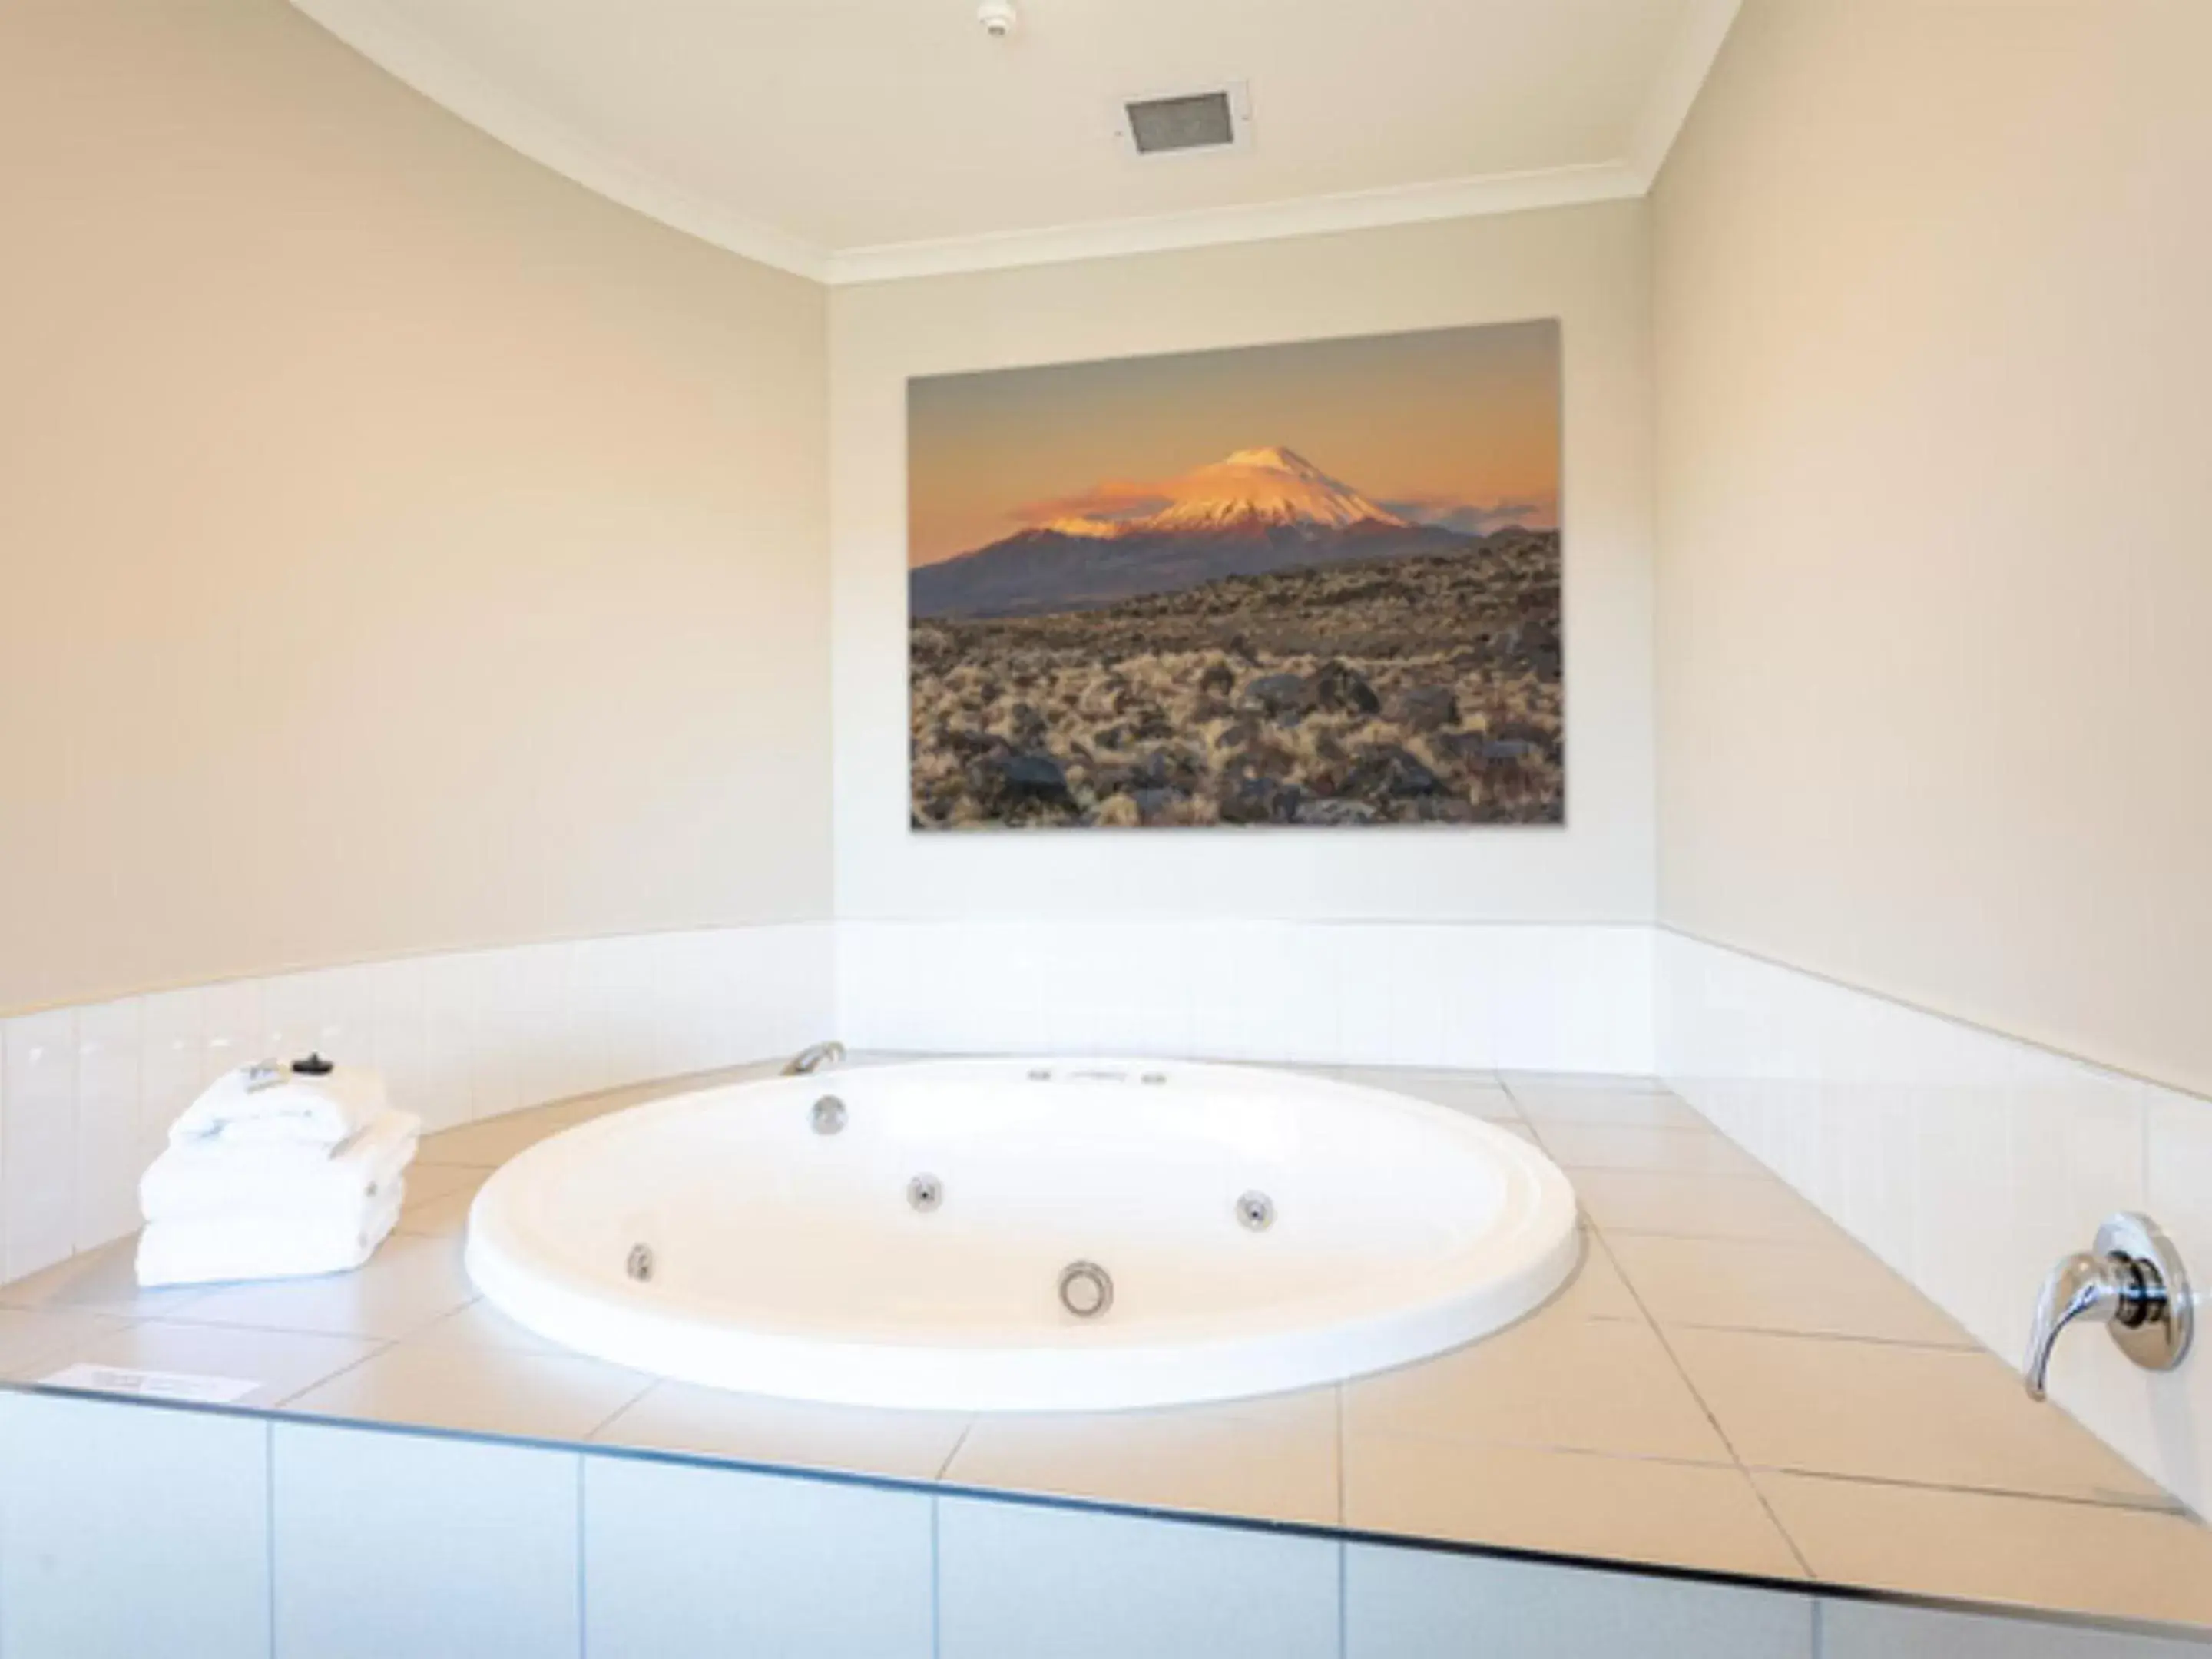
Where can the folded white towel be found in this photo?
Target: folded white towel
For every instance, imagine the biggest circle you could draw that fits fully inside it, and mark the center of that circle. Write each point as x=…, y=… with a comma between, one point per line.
x=246, y=1246
x=268, y=1103
x=213, y=1176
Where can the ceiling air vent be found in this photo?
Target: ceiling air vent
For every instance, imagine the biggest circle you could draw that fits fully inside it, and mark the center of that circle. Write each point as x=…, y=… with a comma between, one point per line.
x=1186, y=123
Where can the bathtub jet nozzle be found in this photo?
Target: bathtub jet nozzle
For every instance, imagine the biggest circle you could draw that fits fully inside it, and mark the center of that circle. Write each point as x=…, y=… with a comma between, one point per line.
x=828, y=1115
x=1086, y=1290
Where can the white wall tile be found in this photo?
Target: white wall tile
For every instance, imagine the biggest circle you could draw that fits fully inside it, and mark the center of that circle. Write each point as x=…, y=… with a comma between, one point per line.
x=1969, y=1162
x=1864, y=1630
x=795, y=980
x=344, y=1001
x=291, y=1015
x=401, y=1043
x=231, y=1031
x=1477, y=995
x=391, y=1544
x=38, y=1142
x=1416, y=1604
x=110, y=1145
x=685, y=1560
x=1019, y=1580
x=170, y=1052
x=127, y=1530
x=581, y=1028
x=450, y=1040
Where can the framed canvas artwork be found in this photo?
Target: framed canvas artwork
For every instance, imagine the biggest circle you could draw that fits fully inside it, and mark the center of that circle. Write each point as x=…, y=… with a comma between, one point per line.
x=1314, y=584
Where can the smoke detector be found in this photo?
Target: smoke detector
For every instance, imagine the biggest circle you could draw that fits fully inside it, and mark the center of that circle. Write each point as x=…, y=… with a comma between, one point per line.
x=1185, y=122
x=998, y=18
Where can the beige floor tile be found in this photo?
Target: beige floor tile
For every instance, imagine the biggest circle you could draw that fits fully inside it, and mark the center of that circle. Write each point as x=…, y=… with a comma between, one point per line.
x=1632, y=1146
x=1618, y=1083
x=101, y=1280
x=1813, y=1290
x=480, y=1325
x=34, y=1341
x=1267, y=1460
x=1596, y=1291
x=488, y=1144
x=752, y=1429
x=580, y=1109
x=1628, y=1108
x=407, y=1284
x=482, y=1390
x=281, y=1363
x=2081, y=1558
x=427, y=1183
x=1699, y=1206
x=1473, y=1093
x=440, y=1217
x=1616, y=1509
x=1571, y=1384
x=1931, y=1416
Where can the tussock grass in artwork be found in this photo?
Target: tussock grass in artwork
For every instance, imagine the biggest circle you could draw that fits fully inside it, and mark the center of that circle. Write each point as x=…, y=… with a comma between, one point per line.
x=1250, y=640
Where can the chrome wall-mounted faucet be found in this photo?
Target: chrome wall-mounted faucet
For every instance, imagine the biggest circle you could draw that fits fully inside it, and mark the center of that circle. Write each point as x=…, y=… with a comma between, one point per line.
x=2131, y=1282
x=814, y=1057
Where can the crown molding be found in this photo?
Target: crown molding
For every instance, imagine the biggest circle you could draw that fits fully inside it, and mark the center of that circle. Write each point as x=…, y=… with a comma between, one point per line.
x=1310, y=215
x=367, y=28
x=1681, y=76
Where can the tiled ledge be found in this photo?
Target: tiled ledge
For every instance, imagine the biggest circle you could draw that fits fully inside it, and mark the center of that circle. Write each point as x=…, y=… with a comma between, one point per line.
x=87, y=1093
x=1730, y=1386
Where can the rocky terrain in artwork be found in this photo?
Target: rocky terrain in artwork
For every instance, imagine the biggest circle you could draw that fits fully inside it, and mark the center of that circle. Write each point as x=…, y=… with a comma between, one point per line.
x=1416, y=683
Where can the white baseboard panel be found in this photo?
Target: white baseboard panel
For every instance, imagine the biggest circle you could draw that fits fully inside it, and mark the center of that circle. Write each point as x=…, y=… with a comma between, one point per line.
x=87, y=1094
x=1568, y=997
x=1970, y=1162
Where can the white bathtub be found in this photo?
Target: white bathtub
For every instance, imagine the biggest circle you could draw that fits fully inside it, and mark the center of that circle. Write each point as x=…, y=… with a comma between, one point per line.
x=720, y=1238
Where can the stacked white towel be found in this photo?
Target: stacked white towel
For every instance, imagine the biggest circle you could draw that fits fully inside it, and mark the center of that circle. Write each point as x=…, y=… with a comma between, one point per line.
x=275, y=1172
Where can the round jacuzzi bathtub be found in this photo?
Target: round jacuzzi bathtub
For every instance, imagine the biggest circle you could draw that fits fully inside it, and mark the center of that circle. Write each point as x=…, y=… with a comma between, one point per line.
x=1023, y=1235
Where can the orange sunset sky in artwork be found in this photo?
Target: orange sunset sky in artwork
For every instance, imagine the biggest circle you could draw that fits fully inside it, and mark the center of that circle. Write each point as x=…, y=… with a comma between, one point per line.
x=1456, y=426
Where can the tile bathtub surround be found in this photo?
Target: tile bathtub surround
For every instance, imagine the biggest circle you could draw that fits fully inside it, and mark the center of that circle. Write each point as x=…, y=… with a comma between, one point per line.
x=1406, y=1604
x=403, y=1544
x=1723, y=1377
x=87, y=1094
x=257, y=1539
x=686, y=1560
x=1967, y=1162
x=118, y=1523
x=1018, y=1580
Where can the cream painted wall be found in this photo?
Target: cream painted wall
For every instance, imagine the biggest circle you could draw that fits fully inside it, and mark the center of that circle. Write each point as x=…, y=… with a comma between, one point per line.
x=1934, y=351
x=400, y=547
x=1587, y=266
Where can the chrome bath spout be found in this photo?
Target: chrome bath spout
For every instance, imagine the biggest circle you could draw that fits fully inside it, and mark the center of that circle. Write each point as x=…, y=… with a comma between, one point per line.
x=2130, y=1281
x=814, y=1057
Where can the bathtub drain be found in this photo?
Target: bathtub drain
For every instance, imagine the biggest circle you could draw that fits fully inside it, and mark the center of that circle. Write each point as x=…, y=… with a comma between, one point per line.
x=1086, y=1290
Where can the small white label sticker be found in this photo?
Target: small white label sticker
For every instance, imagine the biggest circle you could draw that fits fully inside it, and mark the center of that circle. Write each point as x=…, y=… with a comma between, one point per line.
x=153, y=1385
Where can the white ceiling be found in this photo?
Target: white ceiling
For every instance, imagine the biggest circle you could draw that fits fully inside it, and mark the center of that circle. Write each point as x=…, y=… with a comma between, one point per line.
x=854, y=140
